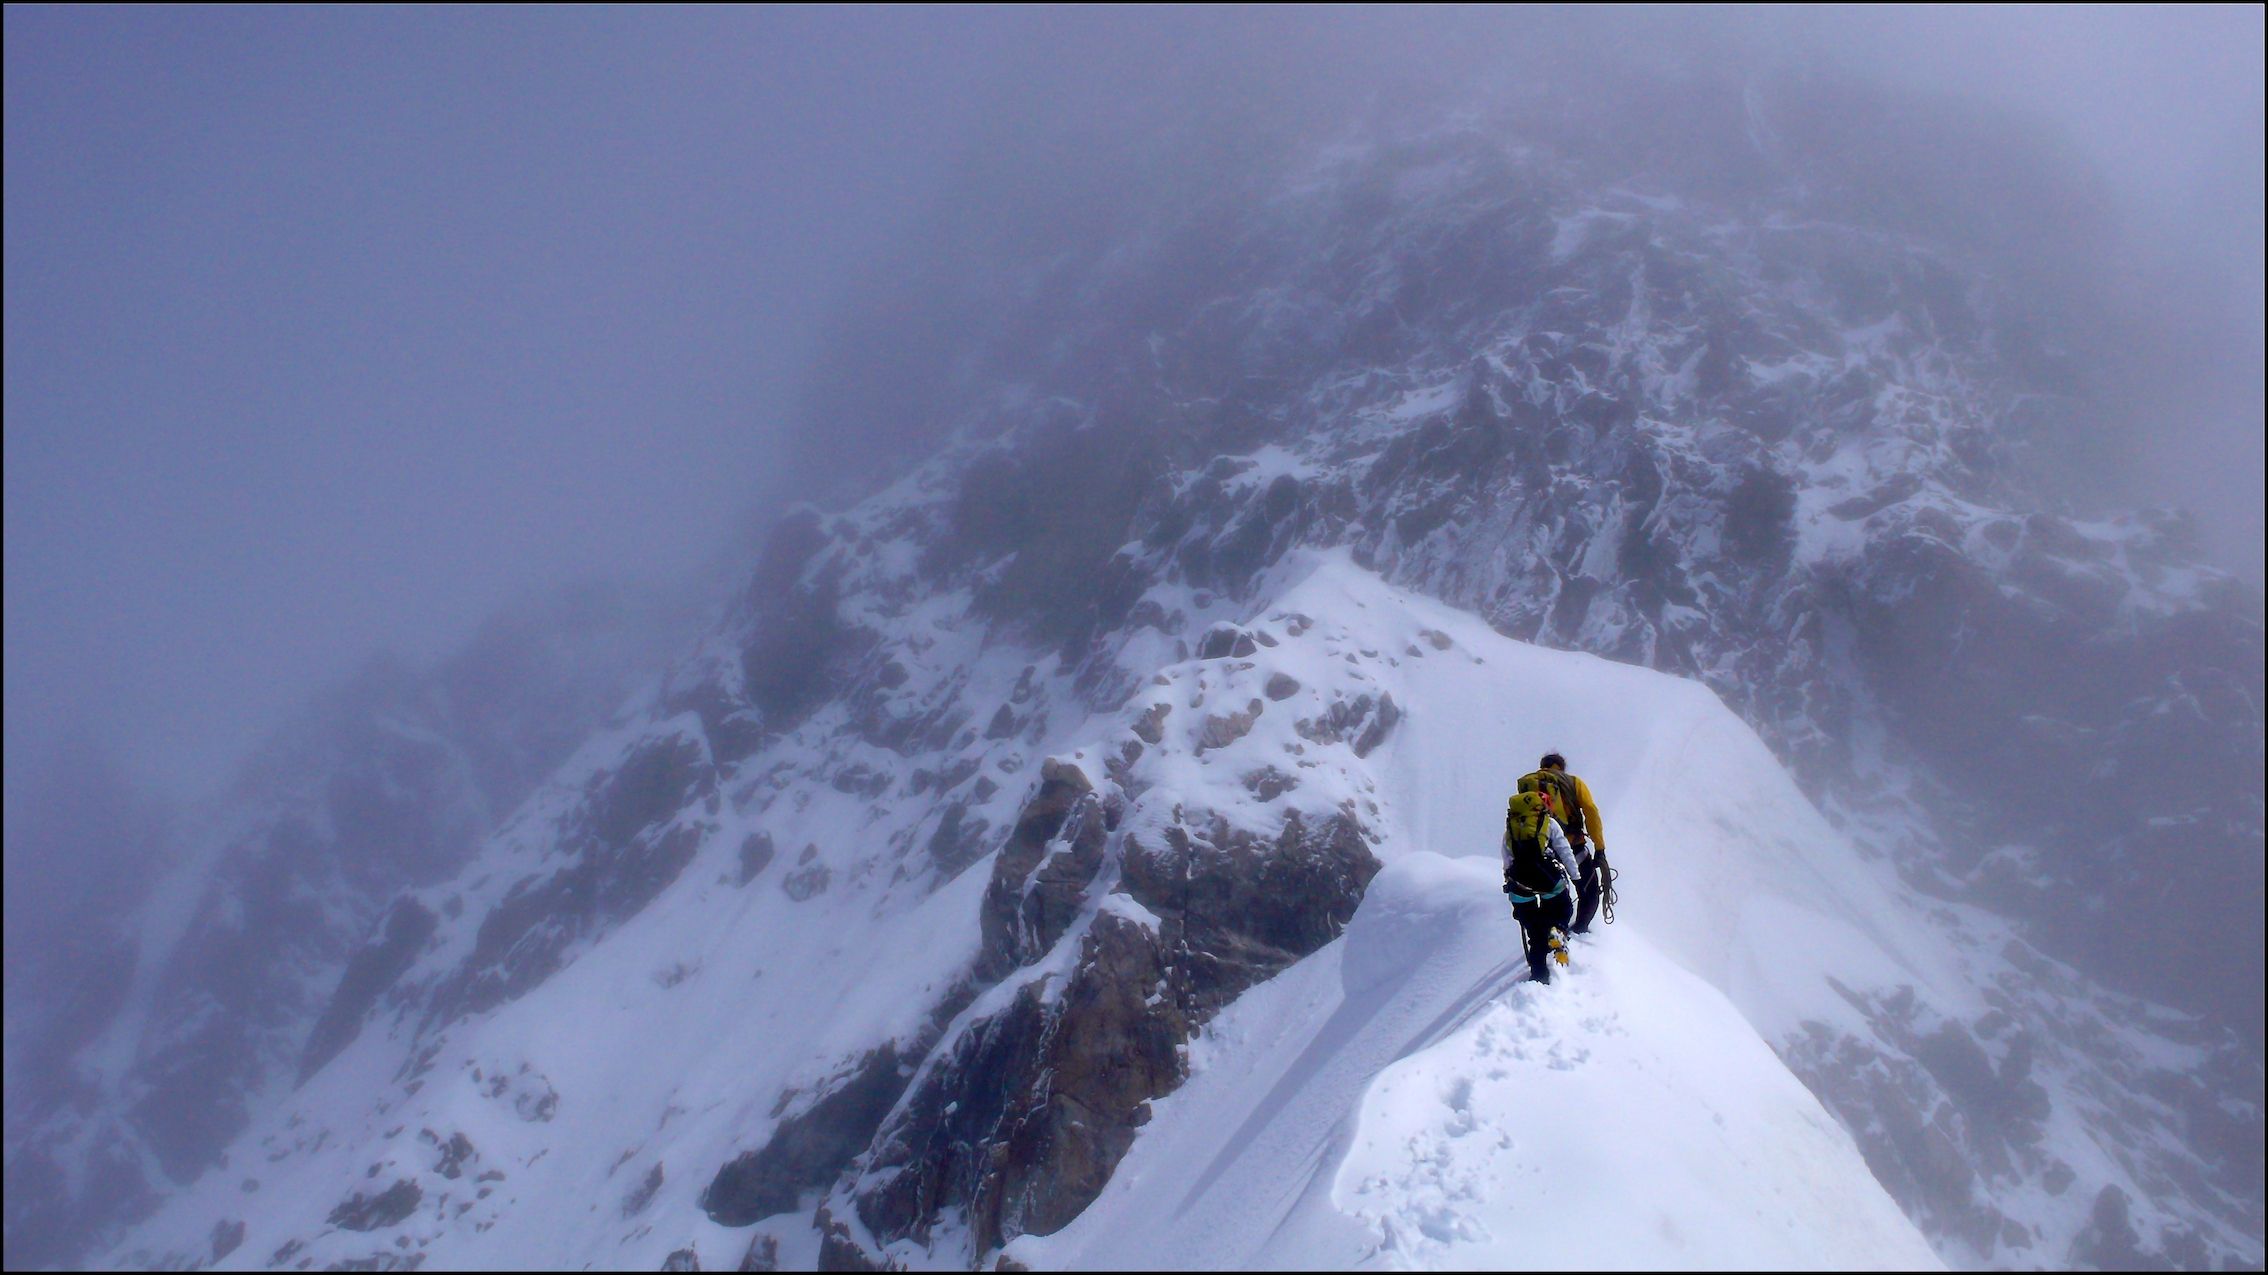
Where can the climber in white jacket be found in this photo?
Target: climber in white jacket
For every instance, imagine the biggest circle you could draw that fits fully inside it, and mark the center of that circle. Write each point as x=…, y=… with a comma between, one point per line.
x=1539, y=877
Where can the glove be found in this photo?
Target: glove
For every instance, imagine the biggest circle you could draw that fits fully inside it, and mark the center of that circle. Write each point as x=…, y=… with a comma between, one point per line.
x=1508, y=883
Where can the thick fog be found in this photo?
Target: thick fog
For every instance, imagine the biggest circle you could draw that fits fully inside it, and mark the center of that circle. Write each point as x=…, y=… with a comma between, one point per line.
x=330, y=332
x=325, y=332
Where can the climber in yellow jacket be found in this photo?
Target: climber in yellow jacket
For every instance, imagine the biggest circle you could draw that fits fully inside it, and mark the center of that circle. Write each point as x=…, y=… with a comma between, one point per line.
x=1578, y=814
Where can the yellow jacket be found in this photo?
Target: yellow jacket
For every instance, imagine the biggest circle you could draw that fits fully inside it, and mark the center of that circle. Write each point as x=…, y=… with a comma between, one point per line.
x=1593, y=826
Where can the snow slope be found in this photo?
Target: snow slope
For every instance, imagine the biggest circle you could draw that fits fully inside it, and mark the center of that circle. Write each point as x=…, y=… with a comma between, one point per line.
x=1404, y=1097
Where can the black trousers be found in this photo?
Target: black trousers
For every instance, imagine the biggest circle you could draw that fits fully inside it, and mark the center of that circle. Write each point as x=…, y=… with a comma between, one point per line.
x=1537, y=920
x=1593, y=886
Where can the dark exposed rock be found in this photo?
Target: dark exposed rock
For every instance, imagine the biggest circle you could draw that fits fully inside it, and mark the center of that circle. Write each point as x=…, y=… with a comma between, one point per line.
x=1057, y=507
x=537, y=1106
x=1238, y=907
x=635, y=1201
x=682, y=1259
x=1003, y=723
x=1381, y=724
x=797, y=632
x=455, y=1154
x=861, y=780
x=1363, y=722
x=1225, y=641
x=838, y=1251
x=1268, y=783
x=959, y=839
x=228, y=1235
x=1021, y=1156
x=626, y=843
x=763, y=1254
x=807, y=881
x=2108, y=1242
x=375, y=968
x=368, y=1213
x=1222, y=729
x=1150, y=727
x=1017, y=923
x=809, y=1149
x=756, y=853
x=380, y=1261
x=1020, y=1123
x=533, y=1098
x=1281, y=686
x=1118, y=767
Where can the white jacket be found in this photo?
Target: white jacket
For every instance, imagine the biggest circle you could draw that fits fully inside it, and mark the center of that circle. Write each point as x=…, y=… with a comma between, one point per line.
x=1560, y=850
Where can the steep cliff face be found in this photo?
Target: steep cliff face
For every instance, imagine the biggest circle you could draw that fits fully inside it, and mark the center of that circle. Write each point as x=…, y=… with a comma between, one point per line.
x=887, y=926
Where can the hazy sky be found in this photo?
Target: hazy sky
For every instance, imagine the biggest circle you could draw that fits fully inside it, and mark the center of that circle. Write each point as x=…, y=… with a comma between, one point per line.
x=328, y=330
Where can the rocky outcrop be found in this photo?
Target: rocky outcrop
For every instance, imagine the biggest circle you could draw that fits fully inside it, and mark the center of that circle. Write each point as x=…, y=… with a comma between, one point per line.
x=628, y=838
x=810, y=1149
x=1039, y=877
x=372, y=971
x=360, y=1212
x=1066, y=1074
x=1016, y=1122
x=228, y=1236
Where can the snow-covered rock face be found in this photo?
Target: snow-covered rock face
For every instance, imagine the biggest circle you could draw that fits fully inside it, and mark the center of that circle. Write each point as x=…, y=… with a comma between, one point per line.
x=1101, y=811
x=1729, y=432
x=1235, y=956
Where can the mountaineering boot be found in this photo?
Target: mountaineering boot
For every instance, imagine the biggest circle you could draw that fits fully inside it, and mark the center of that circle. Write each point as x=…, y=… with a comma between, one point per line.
x=1558, y=944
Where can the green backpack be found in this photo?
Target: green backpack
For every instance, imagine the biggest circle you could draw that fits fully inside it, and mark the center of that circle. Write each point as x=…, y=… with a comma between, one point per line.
x=1559, y=788
x=1532, y=869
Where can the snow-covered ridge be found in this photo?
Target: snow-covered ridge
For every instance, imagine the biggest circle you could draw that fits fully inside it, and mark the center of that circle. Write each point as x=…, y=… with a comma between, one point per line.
x=584, y=1119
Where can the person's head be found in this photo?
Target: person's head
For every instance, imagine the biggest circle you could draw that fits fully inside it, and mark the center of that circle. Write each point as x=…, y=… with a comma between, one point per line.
x=1553, y=761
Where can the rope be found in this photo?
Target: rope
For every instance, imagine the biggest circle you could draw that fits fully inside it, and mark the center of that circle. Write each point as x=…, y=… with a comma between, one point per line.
x=1608, y=872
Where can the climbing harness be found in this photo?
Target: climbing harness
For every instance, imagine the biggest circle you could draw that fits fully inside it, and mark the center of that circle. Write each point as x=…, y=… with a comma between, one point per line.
x=1552, y=893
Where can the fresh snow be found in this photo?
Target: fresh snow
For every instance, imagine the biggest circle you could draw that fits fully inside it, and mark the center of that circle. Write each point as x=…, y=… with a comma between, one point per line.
x=1401, y=1098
